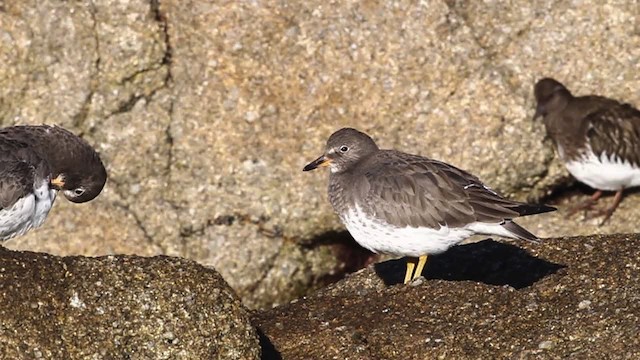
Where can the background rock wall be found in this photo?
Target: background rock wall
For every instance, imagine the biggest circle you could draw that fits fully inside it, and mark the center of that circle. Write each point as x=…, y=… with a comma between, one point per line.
x=205, y=112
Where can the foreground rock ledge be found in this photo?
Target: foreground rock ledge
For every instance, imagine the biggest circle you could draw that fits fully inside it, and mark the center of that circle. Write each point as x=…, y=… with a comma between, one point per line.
x=118, y=307
x=569, y=297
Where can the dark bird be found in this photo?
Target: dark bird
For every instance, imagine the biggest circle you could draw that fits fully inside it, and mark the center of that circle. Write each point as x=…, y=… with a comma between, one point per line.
x=597, y=138
x=402, y=204
x=35, y=163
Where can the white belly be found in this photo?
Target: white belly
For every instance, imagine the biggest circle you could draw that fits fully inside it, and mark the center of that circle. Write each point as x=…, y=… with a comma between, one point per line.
x=604, y=173
x=27, y=213
x=410, y=241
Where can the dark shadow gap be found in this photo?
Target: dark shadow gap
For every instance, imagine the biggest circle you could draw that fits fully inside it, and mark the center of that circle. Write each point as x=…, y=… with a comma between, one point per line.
x=351, y=256
x=489, y=262
x=269, y=351
x=580, y=191
x=329, y=238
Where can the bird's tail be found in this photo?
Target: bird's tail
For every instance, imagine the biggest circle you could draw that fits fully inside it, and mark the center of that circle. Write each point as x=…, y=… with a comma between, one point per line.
x=531, y=209
x=519, y=232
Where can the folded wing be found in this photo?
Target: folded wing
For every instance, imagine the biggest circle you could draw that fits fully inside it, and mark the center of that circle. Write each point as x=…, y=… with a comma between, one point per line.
x=416, y=191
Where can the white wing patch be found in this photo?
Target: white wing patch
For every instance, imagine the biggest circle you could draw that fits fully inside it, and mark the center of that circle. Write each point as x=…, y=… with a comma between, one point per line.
x=480, y=186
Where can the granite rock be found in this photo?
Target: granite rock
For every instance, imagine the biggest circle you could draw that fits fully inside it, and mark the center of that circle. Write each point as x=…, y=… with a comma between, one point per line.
x=566, y=298
x=119, y=307
x=205, y=114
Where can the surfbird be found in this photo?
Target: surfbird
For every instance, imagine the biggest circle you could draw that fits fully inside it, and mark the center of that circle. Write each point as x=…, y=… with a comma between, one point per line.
x=597, y=138
x=403, y=204
x=35, y=163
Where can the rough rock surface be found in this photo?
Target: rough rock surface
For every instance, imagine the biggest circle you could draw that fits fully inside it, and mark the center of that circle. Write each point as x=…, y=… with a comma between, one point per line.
x=205, y=113
x=567, y=298
x=118, y=307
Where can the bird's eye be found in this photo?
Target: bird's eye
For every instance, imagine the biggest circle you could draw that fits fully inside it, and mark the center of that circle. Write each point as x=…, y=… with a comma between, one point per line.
x=78, y=191
x=344, y=148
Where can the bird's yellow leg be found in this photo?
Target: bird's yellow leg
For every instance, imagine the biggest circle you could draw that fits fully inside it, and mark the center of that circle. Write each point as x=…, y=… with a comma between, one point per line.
x=421, y=261
x=411, y=264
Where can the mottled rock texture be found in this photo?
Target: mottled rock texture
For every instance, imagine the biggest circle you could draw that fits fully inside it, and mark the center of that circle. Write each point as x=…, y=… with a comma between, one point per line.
x=205, y=113
x=576, y=298
x=119, y=307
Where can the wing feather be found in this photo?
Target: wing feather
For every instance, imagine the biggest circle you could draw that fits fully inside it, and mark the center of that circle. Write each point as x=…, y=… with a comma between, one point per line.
x=615, y=129
x=414, y=191
x=16, y=180
x=17, y=168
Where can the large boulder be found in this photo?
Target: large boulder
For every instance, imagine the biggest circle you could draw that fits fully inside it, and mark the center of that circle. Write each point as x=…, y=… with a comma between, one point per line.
x=567, y=298
x=119, y=307
x=205, y=113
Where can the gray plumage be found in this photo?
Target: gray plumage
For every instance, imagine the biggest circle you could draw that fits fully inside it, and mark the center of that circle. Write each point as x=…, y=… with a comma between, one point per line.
x=405, y=190
x=608, y=126
x=36, y=162
x=403, y=204
x=17, y=179
x=597, y=138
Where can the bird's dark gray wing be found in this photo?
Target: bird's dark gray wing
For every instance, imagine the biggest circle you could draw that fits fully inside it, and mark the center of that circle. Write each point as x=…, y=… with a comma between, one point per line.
x=19, y=165
x=44, y=139
x=64, y=154
x=16, y=181
x=615, y=129
x=410, y=190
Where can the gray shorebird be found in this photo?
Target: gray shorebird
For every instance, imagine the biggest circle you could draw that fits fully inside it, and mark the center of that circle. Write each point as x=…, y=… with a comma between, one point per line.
x=597, y=138
x=35, y=163
x=408, y=205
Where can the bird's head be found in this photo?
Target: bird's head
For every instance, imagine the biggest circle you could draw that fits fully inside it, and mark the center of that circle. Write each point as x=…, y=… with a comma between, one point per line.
x=551, y=96
x=345, y=148
x=81, y=181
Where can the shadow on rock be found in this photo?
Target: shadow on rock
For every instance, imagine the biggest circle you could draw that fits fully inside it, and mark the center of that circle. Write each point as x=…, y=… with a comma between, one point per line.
x=488, y=262
x=269, y=351
x=350, y=256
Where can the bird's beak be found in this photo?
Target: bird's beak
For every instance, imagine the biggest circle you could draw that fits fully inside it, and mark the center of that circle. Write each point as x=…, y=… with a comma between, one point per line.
x=322, y=161
x=58, y=182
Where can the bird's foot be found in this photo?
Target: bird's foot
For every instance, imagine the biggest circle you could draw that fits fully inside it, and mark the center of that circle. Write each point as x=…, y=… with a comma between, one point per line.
x=607, y=212
x=586, y=206
x=411, y=264
x=418, y=264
